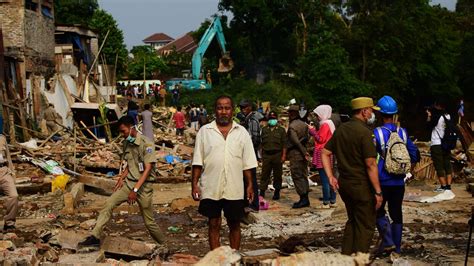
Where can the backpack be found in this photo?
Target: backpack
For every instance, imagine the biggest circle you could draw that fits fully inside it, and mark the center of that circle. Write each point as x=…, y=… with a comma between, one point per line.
x=395, y=152
x=451, y=135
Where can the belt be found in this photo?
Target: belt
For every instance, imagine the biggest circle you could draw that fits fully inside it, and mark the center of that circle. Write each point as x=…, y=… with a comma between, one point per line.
x=272, y=152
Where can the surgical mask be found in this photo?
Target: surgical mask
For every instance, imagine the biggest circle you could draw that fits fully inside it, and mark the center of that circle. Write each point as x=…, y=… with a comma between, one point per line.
x=371, y=120
x=130, y=138
x=272, y=122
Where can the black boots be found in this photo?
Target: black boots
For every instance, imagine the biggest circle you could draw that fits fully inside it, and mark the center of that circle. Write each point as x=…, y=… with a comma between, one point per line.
x=304, y=202
x=276, y=194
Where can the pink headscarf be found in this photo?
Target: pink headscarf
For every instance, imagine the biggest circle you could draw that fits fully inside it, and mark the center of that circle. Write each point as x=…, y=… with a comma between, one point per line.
x=324, y=113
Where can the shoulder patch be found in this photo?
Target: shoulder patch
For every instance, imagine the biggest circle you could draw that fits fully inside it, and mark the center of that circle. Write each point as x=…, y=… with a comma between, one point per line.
x=149, y=149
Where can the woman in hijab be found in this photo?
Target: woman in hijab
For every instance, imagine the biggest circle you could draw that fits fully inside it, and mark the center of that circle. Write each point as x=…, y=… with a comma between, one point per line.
x=321, y=137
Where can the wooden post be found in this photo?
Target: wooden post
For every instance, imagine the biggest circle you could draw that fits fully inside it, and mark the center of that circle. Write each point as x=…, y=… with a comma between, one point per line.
x=2, y=78
x=75, y=150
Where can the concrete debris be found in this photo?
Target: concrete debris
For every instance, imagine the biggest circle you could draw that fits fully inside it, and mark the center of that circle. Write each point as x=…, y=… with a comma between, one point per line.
x=224, y=255
x=6, y=245
x=182, y=203
x=127, y=247
x=319, y=258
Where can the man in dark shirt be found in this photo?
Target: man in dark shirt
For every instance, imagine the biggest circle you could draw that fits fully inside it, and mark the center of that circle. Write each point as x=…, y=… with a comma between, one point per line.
x=132, y=109
x=358, y=185
x=297, y=138
x=251, y=123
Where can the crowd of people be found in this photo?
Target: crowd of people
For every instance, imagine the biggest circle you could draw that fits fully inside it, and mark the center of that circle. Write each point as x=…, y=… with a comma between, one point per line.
x=364, y=164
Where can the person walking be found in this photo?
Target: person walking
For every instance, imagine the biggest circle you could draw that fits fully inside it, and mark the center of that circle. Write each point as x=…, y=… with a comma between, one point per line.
x=133, y=185
x=321, y=137
x=132, y=109
x=358, y=185
x=179, y=121
x=273, y=155
x=175, y=94
x=251, y=122
x=392, y=183
x=223, y=158
x=147, y=116
x=7, y=185
x=437, y=119
x=194, y=117
x=297, y=138
x=163, y=93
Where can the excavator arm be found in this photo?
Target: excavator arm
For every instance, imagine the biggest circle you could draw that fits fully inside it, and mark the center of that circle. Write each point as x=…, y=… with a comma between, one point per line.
x=214, y=30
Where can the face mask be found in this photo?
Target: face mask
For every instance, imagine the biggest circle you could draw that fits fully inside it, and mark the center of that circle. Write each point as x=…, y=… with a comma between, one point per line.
x=272, y=122
x=130, y=138
x=371, y=120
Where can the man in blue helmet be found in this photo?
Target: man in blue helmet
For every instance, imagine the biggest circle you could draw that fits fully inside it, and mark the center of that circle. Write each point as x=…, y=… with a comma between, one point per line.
x=392, y=173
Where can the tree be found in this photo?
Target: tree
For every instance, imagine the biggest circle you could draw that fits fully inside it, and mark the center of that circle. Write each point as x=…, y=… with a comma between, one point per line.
x=144, y=55
x=325, y=71
x=71, y=12
x=114, y=47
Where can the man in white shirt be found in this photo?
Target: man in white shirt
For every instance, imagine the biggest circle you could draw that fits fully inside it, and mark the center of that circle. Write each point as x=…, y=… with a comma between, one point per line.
x=223, y=157
x=436, y=120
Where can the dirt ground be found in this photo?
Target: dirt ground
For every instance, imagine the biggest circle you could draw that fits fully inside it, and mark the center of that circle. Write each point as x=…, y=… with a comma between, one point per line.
x=434, y=233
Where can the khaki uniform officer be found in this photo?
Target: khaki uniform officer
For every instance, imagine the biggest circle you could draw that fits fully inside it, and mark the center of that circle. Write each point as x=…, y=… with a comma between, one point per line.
x=133, y=184
x=358, y=184
x=297, y=138
x=273, y=155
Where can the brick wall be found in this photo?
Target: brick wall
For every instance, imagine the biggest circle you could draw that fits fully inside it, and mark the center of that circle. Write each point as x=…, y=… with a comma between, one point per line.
x=11, y=20
x=39, y=41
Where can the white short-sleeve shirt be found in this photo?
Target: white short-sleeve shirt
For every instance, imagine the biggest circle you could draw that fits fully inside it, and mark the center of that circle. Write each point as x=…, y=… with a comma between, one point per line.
x=438, y=131
x=223, y=161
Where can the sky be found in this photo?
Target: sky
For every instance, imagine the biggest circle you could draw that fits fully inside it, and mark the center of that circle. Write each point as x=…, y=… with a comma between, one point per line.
x=139, y=19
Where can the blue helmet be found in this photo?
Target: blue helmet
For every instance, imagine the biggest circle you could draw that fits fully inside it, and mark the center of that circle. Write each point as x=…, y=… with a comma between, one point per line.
x=387, y=105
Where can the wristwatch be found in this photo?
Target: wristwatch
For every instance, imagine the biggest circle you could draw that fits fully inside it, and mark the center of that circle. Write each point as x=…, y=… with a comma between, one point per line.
x=135, y=189
x=378, y=193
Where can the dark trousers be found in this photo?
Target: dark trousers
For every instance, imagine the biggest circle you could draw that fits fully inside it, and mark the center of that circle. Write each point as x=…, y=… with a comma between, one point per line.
x=299, y=174
x=360, y=206
x=254, y=205
x=271, y=162
x=393, y=195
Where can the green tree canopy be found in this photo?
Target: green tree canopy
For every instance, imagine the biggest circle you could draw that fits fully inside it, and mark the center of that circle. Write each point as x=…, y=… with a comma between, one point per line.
x=71, y=12
x=114, y=48
x=144, y=59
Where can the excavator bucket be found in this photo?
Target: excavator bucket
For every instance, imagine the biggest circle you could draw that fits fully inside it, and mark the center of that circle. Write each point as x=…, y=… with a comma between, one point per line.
x=225, y=63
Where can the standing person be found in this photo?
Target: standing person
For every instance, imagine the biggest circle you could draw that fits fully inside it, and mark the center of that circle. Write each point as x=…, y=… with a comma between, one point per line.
x=252, y=124
x=437, y=119
x=176, y=94
x=132, y=109
x=297, y=138
x=392, y=185
x=194, y=117
x=133, y=185
x=223, y=158
x=203, y=117
x=179, y=121
x=51, y=117
x=7, y=185
x=273, y=155
x=163, y=94
x=358, y=185
x=136, y=91
x=321, y=137
x=461, y=111
x=147, y=116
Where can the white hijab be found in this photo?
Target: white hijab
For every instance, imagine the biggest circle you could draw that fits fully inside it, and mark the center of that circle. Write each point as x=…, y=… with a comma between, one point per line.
x=324, y=113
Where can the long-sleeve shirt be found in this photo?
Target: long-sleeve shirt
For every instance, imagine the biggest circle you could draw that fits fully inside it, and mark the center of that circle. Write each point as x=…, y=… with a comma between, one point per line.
x=385, y=178
x=253, y=127
x=297, y=136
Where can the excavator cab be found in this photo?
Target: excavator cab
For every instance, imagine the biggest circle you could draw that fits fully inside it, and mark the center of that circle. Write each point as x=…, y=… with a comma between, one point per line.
x=225, y=63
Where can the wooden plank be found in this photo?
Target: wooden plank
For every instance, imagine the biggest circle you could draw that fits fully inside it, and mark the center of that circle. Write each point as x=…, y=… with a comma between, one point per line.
x=105, y=184
x=66, y=90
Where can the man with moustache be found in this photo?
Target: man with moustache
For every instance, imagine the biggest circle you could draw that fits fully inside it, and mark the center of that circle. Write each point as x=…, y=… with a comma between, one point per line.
x=223, y=157
x=358, y=185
